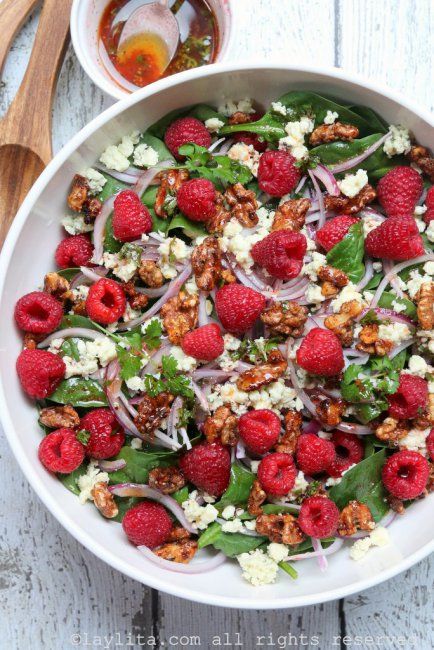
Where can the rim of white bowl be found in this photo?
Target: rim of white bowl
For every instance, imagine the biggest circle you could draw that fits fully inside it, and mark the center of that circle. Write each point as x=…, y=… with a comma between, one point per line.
x=93, y=70
x=38, y=485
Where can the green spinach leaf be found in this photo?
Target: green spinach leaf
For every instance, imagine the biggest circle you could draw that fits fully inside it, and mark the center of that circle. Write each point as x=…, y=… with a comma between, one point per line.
x=238, y=490
x=158, y=145
x=80, y=392
x=74, y=320
x=231, y=544
x=68, y=274
x=111, y=244
x=347, y=255
x=112, y=186
x=189, y=228
x=387, y=298
x=70, y=480
x=139, y=464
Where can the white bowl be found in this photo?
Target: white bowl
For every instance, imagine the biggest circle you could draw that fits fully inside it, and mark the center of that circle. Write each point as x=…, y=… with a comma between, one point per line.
x=28, y=254
x=85, y=19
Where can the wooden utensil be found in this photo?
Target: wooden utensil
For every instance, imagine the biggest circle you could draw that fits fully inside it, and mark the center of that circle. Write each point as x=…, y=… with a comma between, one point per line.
x=25, y=131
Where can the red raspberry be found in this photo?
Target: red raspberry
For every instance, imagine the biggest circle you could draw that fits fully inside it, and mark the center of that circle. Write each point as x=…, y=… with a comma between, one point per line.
x=147, y=524
x=106, y=440
x=399, y=190
x=349, y=449
x=105, y=302
x=334, y=230
x=259, y=430
x=208, y=467
x=197, y=199
x=74, y=251
x=184, y=131
x=277, y=474
x=40, y=372
x=205, y=343
x=238, y=307
x=319, y=517
x=281, y=253
x=250, y=138
x=430, y=444
x=321, y=353
x=314, y=454
x=405, y=474
x=277, y=174
x=429, y=202
x=38, y=312
x=410, y=399
x=395, y=239
x=60, y=451
x=131, y=219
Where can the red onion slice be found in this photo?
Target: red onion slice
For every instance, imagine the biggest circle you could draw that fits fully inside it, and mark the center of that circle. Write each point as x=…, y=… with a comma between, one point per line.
x=111, y=465
x=369, y=272
x=327, y=179
x=146, y=178
x=203, y=316
x=357, y=429
x=428, y=257
x=201, y=397
x=337, y=544
x=322, y=561
x=307, y=402
x=174, y=417
x=153, y=363
x=320, y=199
x=99, y=229
x=177, y=567
x=94, y=274
x=353, y=162
x=124, y=177
x=69, y=332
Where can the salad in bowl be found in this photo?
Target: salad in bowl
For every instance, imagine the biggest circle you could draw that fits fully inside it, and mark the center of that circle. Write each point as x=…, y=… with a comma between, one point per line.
x=233, y=349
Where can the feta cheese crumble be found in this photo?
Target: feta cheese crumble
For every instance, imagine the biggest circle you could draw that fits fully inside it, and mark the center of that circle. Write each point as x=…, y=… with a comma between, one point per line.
x=331, y=117
x=213, y=124
x=172, y=250
x=348, y=293
x=294, y=140
x=353, y=183
x=398, y=142
x=258, y=568
x=245, y=154
x=230, y=107
x=277, y=552
x=95, y=180
x=200, y=516
x=123, y=268
x=395, y=332
x=185, y=362
x=234, y=526
x=116, y=157
x=378, y=537
x=76, y=225
x=86, y=482
x=278, y=108
x=145, y=156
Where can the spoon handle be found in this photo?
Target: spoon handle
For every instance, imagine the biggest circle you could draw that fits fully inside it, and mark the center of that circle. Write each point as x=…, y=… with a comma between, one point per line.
x=13, y=13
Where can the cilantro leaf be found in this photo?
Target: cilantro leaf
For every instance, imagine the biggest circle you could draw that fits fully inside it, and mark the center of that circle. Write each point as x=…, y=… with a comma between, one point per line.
x=131, y=252
x=152, y=334
x=221, y=170
x=129, y=362
x=170, y=380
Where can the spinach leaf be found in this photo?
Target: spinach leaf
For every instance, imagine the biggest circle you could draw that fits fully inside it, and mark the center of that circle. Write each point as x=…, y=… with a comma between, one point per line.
x=347, y=255
x=181, y=495
x=79, y=391
x=74, y=320
x=70, y=480
x=112, y=186
x=158, y=145
x=203, y=113
x=373, y=282
x=378, y=125
x=111, y=244
x=139, y=464
x=68, y=274
x=150, y=196
x=270, y=127
x=387, y=298
x=124, y=505
x=231, y=544
x=70, y=348
x=238, y=490
x=363, y=483
x=189, y=228
x=289, y=569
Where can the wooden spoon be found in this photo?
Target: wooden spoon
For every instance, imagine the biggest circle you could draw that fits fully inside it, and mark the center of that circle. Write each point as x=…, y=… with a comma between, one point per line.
x=25, y=131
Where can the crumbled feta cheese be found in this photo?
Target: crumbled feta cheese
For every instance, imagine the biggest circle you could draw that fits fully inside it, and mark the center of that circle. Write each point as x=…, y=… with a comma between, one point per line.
x=228, y=512
x=418, y=366
x=395, y=332
x=81, y=292
x=415, y=440
x=136, y=384
x=86, y=482
x=185, y=362
x=325, y=435
x=353, y=183
x=420, y=223
x=279, y=108
x=415, y=282
x=347, y=294
x=130, y=313
x=370, y=222
x=378, y=537
x=172, y=250
x=428, y=267
x=377, y=266
x=95, y=180
x=311, y=269
x=230, y=107
x=236, y=241
x=420, y=210
x=314, y=294
x=251, y=524
x=214, y=124
x=200, y=516
x=296, y=132
x=396, y=305
x=145, y=156
x=225, y=360
x=234, y=526
x=92, y=353
x=331, y=117
x=254, y=465
x=112, y=158
x=136, y=443
x=277, y=552
x=398, y=142
x=126, y=147
x=430, y=231
x=245, y=154
x=258, y=568
x=76, y=225
x=123, y=268
x=103, y=348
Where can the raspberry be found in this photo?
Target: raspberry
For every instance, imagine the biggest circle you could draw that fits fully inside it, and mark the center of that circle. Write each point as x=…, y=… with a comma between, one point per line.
x=106, y=440
x=38, y=312
x=349, y=451
x=238, y=307
x=410, y=399
x=60, y=451
x=205, y=343
x=430, y=444
x=197, y=199
x=208, y=467
x=277, y=473
x=105, y=302
x=74, y=251
x=183, y=131
x=334, y=230
x=319, y=517
x=131, y=218
x=277, y=174
x=429, y=202
x=40, y=372
x=321, y=353
x=281, y=253
x=395, y=239
x=405, y=474
x=250, y=139
x=147, y=524
x=399, y=190
x=259, y=430
x=314, y=454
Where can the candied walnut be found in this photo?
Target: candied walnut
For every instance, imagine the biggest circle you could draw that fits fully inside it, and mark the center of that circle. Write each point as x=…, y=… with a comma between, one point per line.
x=170, y=182
x=344, y=205
x=392, y=430
x=91, y=209
x=342, y=323
x=218, y=221
x=285, y=318
x=79, y=193
x=79, y=308
x=371, y=343
x=423, y=159
x=331, y=132
x=256, y=498
x=181, y=552
x=55, y=284
x=395, y=504
x=243, y=204
x=150, y=274
x=425, y=305
x=56, y=417
x=30, y=341
x=426, y=419
x=288, y=440
x=332, y=280
x=291, y=215
x=135, y=299
x=282, y=529
x=206, y=261
x=328, y=409
x=241, y=118
x=264, y=374
x=227, y=276
x=166, y=479
x=151, y=411
x=104, y=500
x=355, y=516
x=223, y=425
x=430, y=484
x=180, y=315
x=177, y=534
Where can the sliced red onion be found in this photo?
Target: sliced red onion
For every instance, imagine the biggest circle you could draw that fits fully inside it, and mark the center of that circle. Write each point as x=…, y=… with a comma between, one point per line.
x=369, y=272
x=217, y=375
x=320, y=199
x=251, y=280
x=165, y=440
x=177, y=567
x=300, y=185
x=203, y=316
x=153, y=292
x=399, y=348
x=130, y=408
x=99, y=229
x=357, y=429
x=285, y=504
x=185, y=438
x=428, y=257
x=312, y=427
x=111, y=465
x=394, y=280
x=225, y=147
x=307, y=402
x=123, y=177
x=353, y=162
x=327, y=179
x=146, y=178
x=216, y=144
x=77, y=280
x=358, y=360
x=201, y=397
x=174, y=417
x=240, y=450
x=69, y=332
x=312, y=218
x=153, y=363
x=322, y=561
x=118, y=409
x=337, y=544
x=150, y=253
x=94, y=274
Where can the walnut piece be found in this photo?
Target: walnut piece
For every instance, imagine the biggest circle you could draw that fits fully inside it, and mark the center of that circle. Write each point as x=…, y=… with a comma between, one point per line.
x=355, y=516
x=55, y=285
x=285, y=318
x=264, y=374
x=426, y=419
x=150, y=274
x=331, y=132
x=177, y=534
x=423, y=159
x=241, y=118
x=243, y=204
x=328, y=409
x=256, y=498
x=151, y=411
x=56, y=417
x=288, y=440
x=180, y=315
x=104, y=500
x=425, y=306
x=395, y=504
x=79, y=200
x=136, y=300
x=371, y=343
x=170, y=182
x=166, y=479
x=223, y=425
x=392, y=430
x=31, y=341
x=342, y=323
x=206, y=261
x=332, y=280
x=222, y=215
x=344, y=205
x=282, y=529
x=181, y=552
x=291, y=215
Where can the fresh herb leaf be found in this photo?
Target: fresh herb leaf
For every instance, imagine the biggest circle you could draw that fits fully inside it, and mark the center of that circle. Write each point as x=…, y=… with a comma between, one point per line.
x=180, y=495
x=79, y=391
x=387, y=298
x=152, y=334
x=231, y=544
x=254, y=350
x=170, y=380
x=129, y=362
x=238, y=490
x=221, y=170
x=139, y=464
x=347, y=255
x=70, y=481
x=131, y=252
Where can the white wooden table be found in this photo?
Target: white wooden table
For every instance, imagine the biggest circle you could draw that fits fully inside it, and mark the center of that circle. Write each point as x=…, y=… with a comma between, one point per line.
x=53, y=593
